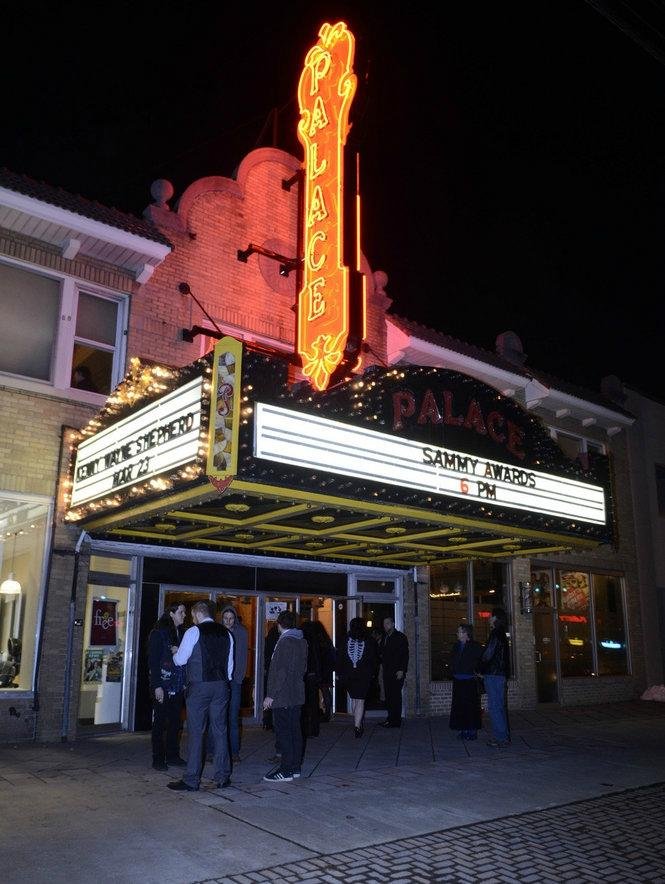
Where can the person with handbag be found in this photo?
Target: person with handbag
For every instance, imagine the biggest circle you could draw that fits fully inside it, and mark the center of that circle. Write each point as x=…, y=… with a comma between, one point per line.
x=465, y=710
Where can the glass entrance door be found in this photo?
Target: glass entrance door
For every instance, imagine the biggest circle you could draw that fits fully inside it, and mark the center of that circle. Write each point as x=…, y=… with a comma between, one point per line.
x=106, y=639
x=545, y=646
x=544, y=629
x=245, y=607
x=374, y=613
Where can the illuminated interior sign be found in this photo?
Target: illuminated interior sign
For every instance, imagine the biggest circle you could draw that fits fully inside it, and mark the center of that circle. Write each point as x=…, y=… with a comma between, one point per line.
x=224, y=409
x=159, y=437
x=325, y=92
x=316, y=443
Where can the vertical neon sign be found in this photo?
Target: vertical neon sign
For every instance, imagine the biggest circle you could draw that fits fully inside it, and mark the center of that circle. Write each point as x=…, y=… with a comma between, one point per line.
x=325, y=92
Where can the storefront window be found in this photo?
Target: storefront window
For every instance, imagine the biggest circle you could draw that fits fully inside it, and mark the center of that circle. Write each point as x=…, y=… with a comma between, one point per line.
x=610, y=627
x=574, y=615
x=449, y=606
x=488, y=593
x=23, y=533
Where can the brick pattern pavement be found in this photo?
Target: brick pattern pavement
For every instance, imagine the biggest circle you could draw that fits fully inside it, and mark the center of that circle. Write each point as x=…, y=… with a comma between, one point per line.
x=617, y=838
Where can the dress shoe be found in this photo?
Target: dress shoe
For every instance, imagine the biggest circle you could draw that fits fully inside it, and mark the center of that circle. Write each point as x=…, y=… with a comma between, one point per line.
x=160, y=765
x=176, y=762
x=181, y=786
x=224, y=784
x=358, y=731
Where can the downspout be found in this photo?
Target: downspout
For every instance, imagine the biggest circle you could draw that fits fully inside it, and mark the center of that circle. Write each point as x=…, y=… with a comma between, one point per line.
x=416, y=624
x=66, y=699
x=47, y=583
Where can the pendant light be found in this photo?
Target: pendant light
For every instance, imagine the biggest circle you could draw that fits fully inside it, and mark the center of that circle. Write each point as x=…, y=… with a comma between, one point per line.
x=10, y=586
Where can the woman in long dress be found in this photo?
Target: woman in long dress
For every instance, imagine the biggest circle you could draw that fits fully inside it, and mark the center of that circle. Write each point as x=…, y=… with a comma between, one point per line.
x=356, y=664
x=465, y=711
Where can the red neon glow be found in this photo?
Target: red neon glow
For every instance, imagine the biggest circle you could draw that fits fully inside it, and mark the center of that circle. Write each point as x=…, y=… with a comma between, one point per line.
x=325, y=92
x=484, y=615
x=572, y=618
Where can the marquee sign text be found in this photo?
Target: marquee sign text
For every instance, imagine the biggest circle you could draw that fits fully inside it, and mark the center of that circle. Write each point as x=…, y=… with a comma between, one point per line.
x=159, y=437
x=316, y=443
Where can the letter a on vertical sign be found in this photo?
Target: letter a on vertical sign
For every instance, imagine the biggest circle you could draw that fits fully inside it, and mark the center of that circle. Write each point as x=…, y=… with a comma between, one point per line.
x=325, y=91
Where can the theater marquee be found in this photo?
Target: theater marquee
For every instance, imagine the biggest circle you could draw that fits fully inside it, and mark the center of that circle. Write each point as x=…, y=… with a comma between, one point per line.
x=305, y=440
x=156, y=439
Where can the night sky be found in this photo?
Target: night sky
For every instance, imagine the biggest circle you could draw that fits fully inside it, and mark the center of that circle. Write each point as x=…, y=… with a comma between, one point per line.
x=513, y=155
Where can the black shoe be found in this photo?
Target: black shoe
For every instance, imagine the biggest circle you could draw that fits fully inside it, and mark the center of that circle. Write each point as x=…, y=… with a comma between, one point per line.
x=275, y=759
x=176, y=762
x=160, y=765
x=224, y=784
x=181, y=786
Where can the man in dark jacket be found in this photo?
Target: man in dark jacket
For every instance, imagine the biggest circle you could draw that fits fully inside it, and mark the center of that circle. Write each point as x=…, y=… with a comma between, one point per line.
x=285, y=695
x=166, y=687
x=395, y=661
x=207, y=649
x=241, y=643
x=496, y=667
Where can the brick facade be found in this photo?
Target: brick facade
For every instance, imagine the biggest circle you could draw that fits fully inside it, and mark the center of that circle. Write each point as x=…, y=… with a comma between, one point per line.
x=216, y=217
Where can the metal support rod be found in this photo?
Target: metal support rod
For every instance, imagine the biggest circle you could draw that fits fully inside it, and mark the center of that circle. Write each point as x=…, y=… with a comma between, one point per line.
x=416, y=623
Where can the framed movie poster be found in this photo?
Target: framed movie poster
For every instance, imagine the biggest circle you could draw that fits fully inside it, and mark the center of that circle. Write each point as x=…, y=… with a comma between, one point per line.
x=92, y=667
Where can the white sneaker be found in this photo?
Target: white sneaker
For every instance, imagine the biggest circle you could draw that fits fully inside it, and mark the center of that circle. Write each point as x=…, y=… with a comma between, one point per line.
x=276, y=776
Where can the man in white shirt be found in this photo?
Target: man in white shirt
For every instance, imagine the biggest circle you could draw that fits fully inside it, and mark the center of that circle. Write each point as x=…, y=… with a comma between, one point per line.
x=207, y=650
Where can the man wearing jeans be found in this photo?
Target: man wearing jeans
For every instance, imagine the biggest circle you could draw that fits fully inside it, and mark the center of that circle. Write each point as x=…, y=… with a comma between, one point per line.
x=495, y=665
x=285, y=695
x=207, y=650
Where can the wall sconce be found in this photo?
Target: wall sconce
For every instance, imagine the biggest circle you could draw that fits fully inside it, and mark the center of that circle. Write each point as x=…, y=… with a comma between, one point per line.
x=10, y=586
x=526, y=597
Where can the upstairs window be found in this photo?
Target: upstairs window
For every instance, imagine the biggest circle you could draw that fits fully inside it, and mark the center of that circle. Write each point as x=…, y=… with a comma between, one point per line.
x=31, y=315
x=576, y=446
x=56, y=334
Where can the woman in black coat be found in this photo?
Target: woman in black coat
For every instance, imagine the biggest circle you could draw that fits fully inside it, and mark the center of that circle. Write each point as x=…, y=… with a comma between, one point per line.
x=356, y=664
x=465, y=711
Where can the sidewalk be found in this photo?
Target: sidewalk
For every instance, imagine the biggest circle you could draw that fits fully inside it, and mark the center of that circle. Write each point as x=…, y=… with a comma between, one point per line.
x=96, y=811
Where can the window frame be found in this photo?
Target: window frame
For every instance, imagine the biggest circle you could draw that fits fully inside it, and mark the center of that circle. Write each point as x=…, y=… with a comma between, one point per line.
x=48, y=502
x=470, y=609
x=585, y=441
x=65, y=337
x=593, y=633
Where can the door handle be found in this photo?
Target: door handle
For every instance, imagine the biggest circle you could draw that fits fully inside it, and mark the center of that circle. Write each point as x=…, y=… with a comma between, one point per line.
x=539, y=657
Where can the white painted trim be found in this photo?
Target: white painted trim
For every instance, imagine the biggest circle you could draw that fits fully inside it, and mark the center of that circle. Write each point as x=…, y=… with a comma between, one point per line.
x=85, y=226
x=466, y=364
x=403, y=345
x=70, y=248
x=144, y=273
x=202, y=555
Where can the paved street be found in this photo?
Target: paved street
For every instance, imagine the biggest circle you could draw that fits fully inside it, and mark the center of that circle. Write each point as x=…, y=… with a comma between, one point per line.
x=577, y=796
x=617, y=838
